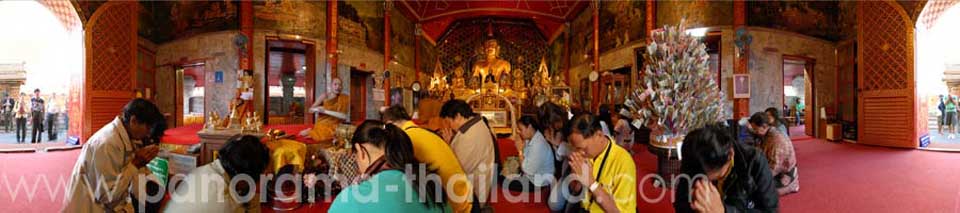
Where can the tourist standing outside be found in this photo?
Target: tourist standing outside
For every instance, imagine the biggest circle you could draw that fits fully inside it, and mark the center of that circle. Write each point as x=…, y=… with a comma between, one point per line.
x=37, y=111
x=950, y=117
x=53, y=112
x=21, y=117
x=941, y=107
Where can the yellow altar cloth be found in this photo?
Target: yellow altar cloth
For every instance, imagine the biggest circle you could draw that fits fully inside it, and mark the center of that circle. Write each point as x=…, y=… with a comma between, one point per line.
x=287, y=152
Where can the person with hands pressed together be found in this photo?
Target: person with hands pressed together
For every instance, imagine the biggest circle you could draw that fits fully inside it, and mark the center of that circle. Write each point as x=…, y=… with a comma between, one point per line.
x=106, y=172
x=605, y=170
x=475, y=147
x=721, y=175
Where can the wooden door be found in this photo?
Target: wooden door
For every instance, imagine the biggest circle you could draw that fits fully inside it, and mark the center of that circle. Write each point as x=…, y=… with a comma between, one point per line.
x=358, y=93
x=111, y=50
x=809, y=109
x=887, y=109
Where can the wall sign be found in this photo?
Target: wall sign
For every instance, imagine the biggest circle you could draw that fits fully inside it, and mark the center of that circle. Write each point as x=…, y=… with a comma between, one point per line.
x=218, y=77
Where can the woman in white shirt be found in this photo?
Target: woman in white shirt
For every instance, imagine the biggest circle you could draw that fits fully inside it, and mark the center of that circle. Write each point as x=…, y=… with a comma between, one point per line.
x=536, y=157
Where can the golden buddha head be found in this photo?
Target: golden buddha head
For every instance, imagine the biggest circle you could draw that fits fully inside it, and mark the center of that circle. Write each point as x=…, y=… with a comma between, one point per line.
x=490, y=48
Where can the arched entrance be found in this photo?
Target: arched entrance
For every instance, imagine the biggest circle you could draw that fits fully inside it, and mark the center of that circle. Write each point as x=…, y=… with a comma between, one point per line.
x=938, y=67
x=42, y=51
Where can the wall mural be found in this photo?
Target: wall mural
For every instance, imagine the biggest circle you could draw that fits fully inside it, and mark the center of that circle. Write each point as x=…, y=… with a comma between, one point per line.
x=162, y=21
x=428, y=57
x=360, y=24
x=699, y=13
x=621, y=22
x=813, y=18
x=521, y=43
x=555, y=55
x=402, y=38
x=581, y=45
x=298, y=17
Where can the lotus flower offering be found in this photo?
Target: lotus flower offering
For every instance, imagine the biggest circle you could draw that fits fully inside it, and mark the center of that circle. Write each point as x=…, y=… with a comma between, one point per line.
x=679, y=92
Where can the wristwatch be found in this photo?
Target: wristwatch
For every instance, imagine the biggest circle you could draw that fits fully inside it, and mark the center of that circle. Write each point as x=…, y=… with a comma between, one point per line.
x=594, y=186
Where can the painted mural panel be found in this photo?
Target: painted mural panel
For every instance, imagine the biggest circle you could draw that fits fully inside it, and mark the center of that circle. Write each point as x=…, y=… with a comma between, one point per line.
x=297, y=17
x=162, y=21
x=699, y=13
x=361, y=24
x=582, y=41
x=555, y=55
x=428, y=56
x=402, y=38
x=813, y=18
x=621, y=22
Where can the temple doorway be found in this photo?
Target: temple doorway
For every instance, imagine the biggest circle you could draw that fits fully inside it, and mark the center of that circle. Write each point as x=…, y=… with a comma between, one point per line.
x=358, y=99
x=289, y=81
x=938, y=76
x=190, y=97
x=42, y=58
x=798, y=98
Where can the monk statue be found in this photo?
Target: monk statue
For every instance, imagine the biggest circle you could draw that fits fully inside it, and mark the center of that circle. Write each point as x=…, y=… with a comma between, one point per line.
x=331, y=108
x=490, y=67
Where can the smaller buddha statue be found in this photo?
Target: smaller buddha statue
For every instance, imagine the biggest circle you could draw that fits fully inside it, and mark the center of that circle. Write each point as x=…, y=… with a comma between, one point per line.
x=212, y=121
x=458, y=82
x=505, y=81
x=518, y=82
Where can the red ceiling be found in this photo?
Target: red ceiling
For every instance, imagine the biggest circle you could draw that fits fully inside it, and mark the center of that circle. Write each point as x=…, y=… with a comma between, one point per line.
x=436, y=16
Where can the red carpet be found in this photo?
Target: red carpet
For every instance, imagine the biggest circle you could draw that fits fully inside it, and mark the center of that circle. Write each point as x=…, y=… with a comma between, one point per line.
x=835, y=177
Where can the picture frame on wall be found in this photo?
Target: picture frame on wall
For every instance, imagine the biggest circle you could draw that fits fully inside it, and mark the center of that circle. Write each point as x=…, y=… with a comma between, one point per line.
x=741, y=86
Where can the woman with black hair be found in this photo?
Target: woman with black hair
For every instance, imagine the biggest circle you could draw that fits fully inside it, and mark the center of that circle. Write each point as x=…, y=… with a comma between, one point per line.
x=775, y=120
x=536, y=157
x=233, y=176
x=382, y=152
x=721, y=175
x=781, y=157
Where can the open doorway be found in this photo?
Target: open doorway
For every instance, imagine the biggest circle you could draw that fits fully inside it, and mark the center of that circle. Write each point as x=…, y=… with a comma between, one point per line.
x=190, y=94
x=798, y=98
x=41, y=69
x=938, y=76
x=290, y=66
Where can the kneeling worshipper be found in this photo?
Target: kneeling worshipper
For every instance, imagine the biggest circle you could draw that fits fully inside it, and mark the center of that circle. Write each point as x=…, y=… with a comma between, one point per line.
x=228, y=184
x=431, y=150
x=536, y=157
x=722, y=175
x=332, y=110
x=112, y=164
x=605, y=170
x=781, y=157
x=383, y=151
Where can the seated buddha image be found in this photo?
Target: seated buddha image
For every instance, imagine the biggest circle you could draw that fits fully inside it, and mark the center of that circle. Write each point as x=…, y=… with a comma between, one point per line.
x=491, y=66
x=458, y=81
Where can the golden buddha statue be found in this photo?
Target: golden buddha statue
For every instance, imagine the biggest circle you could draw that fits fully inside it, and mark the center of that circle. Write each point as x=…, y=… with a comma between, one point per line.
x=491, y=66
x=518, y=82
x=458, y=82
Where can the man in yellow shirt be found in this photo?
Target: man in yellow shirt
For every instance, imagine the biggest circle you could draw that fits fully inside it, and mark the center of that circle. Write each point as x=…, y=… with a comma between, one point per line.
x=606, y=170
x=431, y=150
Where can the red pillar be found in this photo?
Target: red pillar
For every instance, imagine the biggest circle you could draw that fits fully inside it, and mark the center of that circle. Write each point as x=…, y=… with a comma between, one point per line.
x=741, y=106
x=416, y=52
x=651, y=17
x=386, y=51
x=595, y=102
x=246, y=28
x=566, y=54
x=332, y=53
